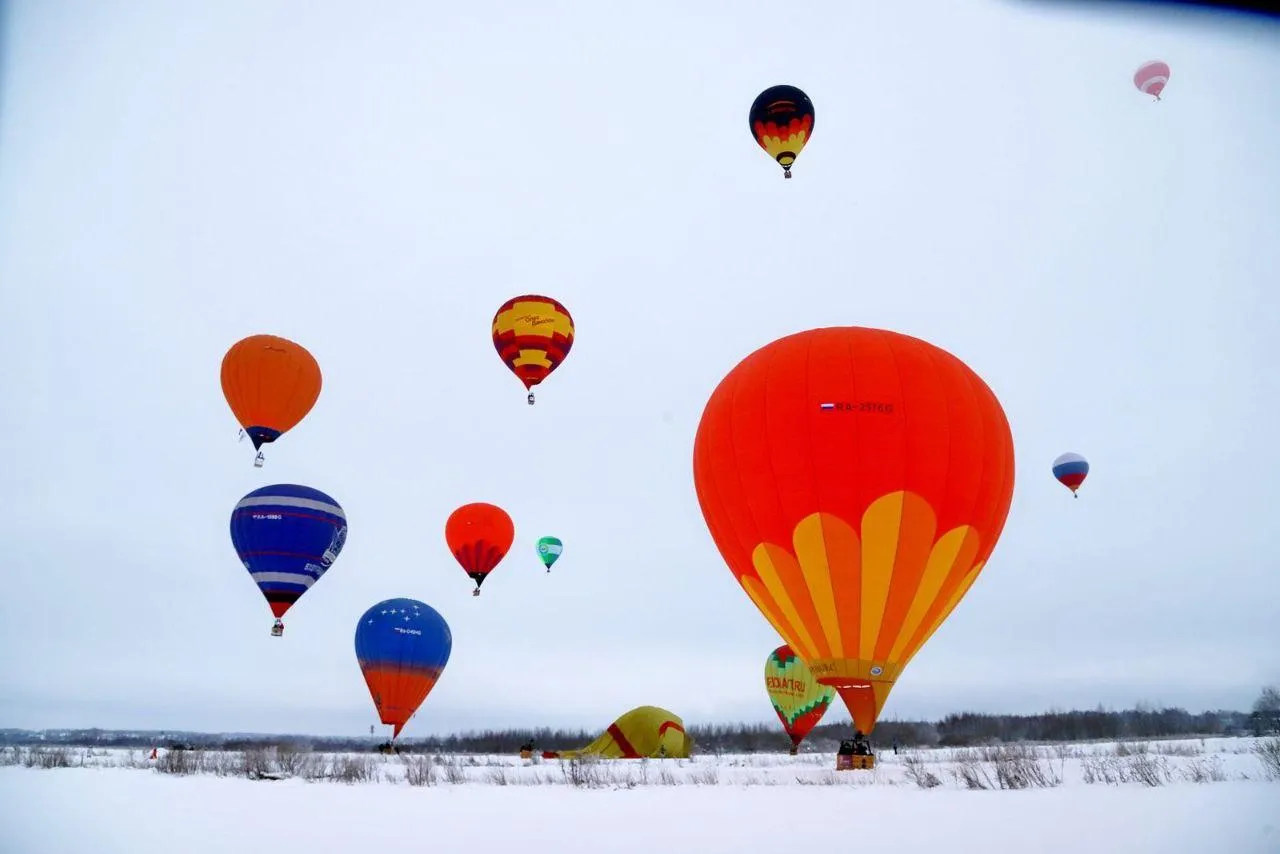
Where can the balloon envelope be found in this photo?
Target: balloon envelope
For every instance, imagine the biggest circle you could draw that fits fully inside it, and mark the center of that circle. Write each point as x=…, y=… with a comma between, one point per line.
x=781, y=121
x=533, y=335
x=479, y=535
x=798, y=698
x=1070, y=470
x=549, y=549
x=271, y=383
x=855, y=481
x=287, y=536
x=1151, y=77
x=402, y=646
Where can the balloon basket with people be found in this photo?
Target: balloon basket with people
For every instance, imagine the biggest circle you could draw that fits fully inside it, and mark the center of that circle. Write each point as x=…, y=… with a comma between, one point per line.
x=855, y=754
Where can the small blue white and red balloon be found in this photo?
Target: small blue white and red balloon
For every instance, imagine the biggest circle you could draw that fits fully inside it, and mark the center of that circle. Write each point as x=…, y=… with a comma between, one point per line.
x=1071, y=470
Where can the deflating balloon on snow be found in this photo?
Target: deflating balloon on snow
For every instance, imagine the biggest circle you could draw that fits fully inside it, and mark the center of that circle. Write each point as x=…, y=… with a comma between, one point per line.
x=855, y=481
x=479, y=535
x=402, y=646
x=287, y=536
x=645, y=732
x=271, y=383
x=798, y=698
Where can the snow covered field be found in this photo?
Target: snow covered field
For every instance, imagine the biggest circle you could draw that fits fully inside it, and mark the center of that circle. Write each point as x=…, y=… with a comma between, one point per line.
x=1168, y=796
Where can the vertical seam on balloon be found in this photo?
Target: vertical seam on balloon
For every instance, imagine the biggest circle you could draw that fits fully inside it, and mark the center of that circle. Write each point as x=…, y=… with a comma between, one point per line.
x=257, y=385
x=855, y=523
x=236, y=388
x=983, y=534
x=902, y=394
x=749, y=549
x=985, y=481
x=940, y=512
x=402, y=644
x=813, y=501
x=803, y=628
x=292, y=396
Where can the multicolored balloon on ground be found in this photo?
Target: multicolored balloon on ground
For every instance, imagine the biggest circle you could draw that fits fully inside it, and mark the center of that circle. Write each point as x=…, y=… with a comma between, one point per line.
x=479, y=535
x=402, y=646
x=781, y=121
x=856, y=481
x=798, y=698
x=533, y=335
x=287, y=536
x=1071, y=470
x=1151, y=77
x=549, y=549
x=271, y=383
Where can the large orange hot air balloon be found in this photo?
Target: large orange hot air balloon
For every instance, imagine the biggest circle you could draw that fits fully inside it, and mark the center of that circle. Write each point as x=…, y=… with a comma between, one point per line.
x=533, y=335
x=855, y=481
x=479, y=535
x=271, y=384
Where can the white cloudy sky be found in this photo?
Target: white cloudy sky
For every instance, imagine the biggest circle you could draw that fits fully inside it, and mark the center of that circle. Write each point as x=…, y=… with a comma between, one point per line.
x=374, y=183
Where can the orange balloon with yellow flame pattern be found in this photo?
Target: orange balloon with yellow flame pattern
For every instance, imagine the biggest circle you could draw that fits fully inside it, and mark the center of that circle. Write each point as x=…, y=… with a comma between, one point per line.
x=855, y=481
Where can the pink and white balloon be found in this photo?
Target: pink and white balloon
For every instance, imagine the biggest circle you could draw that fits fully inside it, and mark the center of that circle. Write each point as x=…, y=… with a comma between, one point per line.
x=1151, y=77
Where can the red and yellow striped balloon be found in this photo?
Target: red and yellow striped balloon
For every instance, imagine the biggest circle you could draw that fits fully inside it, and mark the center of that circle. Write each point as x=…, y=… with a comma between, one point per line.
x=533, y=335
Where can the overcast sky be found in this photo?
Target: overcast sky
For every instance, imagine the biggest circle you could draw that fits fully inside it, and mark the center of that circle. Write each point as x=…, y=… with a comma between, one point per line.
x=374, y=184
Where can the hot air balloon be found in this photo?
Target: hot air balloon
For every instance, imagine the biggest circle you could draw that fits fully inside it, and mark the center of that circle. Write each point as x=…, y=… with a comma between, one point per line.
x=855, y=481
x=798, y=698
x=402, y=646
x=549, y=549
x=1151, y=77
x=533, y=335
x=479, y=535
x=271, y=384
x=1071, y=470
x=287, y=536
x=781, y=121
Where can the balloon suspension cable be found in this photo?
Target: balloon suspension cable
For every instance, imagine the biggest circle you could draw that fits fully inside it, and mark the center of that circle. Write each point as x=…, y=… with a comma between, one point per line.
x=530, y=398
x=242, y=435
x=259, y=460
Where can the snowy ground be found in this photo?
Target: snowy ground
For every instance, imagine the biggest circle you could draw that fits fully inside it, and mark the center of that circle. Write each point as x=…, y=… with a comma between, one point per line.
x=1166, y=796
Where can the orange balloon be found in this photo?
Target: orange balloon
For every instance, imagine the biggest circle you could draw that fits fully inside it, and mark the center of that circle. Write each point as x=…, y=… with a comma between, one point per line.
x=271, y=384
x=855, y=481
x=479, y=535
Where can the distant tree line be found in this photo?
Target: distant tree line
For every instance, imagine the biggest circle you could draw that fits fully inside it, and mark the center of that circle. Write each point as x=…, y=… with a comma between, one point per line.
x=955, y=730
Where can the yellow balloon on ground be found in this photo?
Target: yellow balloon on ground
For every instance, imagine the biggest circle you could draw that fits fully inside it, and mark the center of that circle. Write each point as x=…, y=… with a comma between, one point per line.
x=643, y=732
